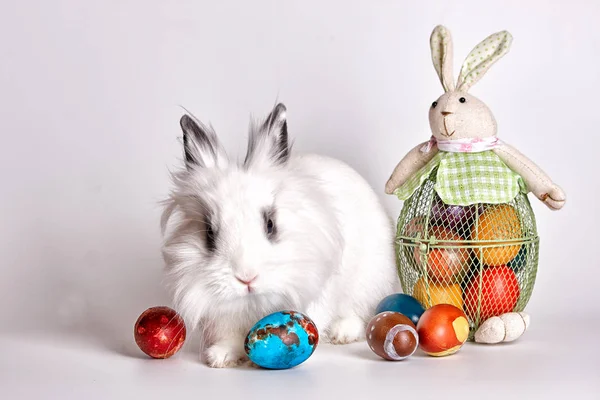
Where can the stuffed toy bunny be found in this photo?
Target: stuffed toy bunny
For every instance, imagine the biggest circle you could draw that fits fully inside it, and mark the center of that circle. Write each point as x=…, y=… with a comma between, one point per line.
x=473, y=165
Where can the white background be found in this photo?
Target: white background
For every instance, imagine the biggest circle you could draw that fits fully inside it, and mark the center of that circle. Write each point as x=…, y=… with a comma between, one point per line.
x=89, y=108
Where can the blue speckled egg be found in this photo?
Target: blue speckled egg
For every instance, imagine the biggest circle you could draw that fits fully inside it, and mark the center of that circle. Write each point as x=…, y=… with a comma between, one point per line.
x=402, y=303
x=281, y=340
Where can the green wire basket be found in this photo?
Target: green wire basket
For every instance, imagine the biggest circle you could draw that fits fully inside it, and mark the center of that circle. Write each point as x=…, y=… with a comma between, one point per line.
x=482, y=258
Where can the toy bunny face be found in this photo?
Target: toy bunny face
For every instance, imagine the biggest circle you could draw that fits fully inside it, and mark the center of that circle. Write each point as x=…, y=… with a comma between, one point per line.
x=457, y=114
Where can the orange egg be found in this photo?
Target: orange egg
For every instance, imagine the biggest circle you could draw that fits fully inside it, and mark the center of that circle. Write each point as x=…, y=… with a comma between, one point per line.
x=433, y=293
x=442, y=329
x=498, y=223
x=446, y=258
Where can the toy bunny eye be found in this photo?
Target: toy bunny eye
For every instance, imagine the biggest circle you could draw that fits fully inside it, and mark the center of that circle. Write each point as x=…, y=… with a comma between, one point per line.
x=434, y=104
x=462, y=99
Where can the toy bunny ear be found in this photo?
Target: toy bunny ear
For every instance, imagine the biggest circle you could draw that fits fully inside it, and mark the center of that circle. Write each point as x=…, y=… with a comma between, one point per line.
x=441, y=54
x=481, y=58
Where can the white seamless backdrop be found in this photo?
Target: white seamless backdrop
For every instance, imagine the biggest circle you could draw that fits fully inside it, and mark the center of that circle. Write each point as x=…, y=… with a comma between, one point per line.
x=90, y=96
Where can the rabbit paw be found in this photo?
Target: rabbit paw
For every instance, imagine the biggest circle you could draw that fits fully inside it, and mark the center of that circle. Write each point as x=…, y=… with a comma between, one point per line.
x=224, y=355
x=346, y=330
x=554, y=198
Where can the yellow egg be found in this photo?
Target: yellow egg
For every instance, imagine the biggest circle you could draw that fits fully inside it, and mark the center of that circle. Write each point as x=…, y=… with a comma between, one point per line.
x=496, y=224
x=431, y=294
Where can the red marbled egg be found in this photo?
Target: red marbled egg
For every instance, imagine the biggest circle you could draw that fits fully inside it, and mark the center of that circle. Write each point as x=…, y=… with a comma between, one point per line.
x=159, y=332
x=392, y=336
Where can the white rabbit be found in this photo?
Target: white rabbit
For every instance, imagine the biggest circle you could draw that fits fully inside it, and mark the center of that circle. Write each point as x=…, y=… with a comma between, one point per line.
x=462, y=123
x=280, y=231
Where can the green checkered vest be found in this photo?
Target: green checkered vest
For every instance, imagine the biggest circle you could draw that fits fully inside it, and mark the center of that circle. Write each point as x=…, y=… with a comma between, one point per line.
x=467, y=178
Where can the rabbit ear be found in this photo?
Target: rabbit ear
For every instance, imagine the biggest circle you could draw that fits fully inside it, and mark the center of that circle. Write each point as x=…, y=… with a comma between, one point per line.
x=442, y=56
x=200, y=145
x=481, y=58
x=268, y=143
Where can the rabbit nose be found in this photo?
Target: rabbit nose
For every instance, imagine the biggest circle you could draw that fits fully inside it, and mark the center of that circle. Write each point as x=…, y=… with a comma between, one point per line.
x=444, y=113
x=246, y=281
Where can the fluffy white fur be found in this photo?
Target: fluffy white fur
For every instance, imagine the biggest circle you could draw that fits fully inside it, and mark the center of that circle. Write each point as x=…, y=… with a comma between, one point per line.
x=331, y=256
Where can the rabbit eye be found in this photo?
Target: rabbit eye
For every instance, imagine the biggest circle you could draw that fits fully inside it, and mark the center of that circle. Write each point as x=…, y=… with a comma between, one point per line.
x=462, y=99
x=434, y=104
x=270, y=227
x=210, y=237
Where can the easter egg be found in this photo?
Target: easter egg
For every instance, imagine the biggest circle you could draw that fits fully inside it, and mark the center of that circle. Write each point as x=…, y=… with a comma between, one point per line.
x=520, y=261
x=458, y=218
x=498, y=223
x=435, y=293
x=159, y=332
x=392, y=336
x=281, y=340
x=415, y=227
x=448, y=260
x=474, y=269
x=499, y=293
x=402, y=303
x=442, y=329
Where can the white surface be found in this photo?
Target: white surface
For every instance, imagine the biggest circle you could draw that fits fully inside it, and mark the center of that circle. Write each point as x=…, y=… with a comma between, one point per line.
x=88, y=113
x=547, y=363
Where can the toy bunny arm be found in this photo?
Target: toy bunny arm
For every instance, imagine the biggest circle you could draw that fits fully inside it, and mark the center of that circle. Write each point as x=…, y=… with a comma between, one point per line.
x=413, y=161
x=536, y=180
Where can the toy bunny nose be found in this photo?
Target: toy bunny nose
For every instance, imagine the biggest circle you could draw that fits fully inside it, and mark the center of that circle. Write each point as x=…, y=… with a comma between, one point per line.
x=444, y=113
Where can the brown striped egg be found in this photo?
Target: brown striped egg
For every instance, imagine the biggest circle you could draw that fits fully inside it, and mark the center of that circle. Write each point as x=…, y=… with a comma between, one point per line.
x=392, y=336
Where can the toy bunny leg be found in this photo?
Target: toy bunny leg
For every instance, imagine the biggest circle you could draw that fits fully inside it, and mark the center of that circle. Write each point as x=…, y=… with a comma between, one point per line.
x=413, y=161
x=536, y=180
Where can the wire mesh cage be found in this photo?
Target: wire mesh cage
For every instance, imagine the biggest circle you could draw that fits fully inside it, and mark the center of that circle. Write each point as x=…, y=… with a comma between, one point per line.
x=481, y=258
